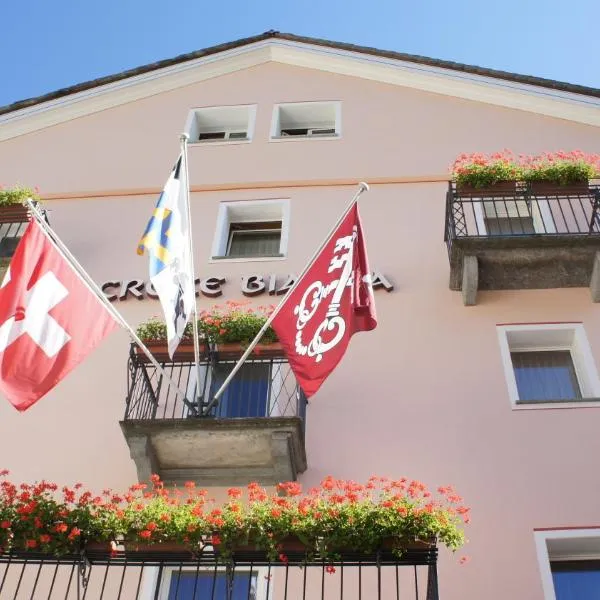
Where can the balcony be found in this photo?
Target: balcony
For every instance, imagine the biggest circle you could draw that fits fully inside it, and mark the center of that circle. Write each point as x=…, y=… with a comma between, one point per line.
x=254, y=433
x=523, y=240
x=249, y=576
x=14, y=219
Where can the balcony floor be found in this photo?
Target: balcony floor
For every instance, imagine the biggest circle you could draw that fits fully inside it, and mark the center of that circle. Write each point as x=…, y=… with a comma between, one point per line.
x=526, y=261
x=213, y=452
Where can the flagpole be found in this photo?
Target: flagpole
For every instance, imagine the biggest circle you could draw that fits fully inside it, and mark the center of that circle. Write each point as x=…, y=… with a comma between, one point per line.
x=96, y=291
x=183, y=138
x=362, y=187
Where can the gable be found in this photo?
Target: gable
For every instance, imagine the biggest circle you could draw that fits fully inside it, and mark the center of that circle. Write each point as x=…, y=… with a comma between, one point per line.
x=379, y=67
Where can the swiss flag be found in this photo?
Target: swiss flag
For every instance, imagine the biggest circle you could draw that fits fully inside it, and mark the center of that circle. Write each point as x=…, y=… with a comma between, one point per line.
x=49, y=320
x=332, y=301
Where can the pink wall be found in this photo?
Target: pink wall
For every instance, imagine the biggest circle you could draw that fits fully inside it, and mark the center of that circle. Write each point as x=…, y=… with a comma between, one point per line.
x=413, y=132
x=423, y=395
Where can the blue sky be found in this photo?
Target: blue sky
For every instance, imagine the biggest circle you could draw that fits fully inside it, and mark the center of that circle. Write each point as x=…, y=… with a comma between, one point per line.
x=46, y=45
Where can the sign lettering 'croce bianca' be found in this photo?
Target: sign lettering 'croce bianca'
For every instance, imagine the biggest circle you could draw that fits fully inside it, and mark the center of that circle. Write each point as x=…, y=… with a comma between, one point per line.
x=212, y=287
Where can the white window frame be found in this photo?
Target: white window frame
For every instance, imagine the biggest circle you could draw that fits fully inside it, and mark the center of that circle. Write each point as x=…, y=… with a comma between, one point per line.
x=542, y=537
x=151, y=580
x=550, y=336
x=543, y=221
x=276, y=136
x=192, y=129
x=250, y=211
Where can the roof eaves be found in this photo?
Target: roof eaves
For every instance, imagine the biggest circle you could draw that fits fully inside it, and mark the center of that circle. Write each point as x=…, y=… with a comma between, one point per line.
x=442, y=64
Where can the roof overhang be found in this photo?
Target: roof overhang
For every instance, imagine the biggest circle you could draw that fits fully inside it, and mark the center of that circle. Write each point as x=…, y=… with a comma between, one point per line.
x=542, y=100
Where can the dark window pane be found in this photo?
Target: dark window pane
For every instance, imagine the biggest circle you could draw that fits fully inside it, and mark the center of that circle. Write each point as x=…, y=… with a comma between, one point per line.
x=576, y=580
x=247, y=395
x=509, y=225
x=211, y=586
x=545, y=376
x=254, y=243
x=286, y=132
x=217, y=135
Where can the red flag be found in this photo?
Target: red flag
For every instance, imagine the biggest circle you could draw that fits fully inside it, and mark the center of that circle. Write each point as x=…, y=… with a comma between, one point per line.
x=332, y=301
x=49, y=320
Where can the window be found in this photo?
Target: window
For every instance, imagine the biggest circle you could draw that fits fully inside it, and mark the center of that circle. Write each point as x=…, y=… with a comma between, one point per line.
x=569, y=563
x=545, y=375
x=193, y=584
x=576, y=579
x=251, y=230
x=548, y=364
x=508, y=216
x=248, y=393
x=306, y=120
x=254, y=239
x=222, y=135
x=261, y=388
x=221, y=124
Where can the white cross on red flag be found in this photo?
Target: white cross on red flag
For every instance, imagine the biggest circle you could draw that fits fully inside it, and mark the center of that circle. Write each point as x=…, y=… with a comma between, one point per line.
x=332, y=301
x=49, y=320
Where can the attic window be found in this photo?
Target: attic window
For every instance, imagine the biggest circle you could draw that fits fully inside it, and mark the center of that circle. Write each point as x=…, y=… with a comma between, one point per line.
x=221, y=124
x=306, y=120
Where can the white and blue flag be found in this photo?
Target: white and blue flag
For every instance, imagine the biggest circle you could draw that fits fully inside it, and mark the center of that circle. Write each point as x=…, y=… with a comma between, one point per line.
x=167, y=241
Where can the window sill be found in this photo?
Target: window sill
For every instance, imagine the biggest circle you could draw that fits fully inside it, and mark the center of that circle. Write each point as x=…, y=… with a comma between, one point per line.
x=304, y=138
x=558, y=404
x=242, y=259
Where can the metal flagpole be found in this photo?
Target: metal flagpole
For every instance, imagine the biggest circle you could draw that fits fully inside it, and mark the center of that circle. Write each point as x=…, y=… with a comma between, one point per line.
x=94, y=289
x=362, y=187
x=184, y=140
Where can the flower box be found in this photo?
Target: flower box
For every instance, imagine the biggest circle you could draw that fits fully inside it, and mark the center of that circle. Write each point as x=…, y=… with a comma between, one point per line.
x=290, y=544
x=100, y=548
x=173, y=549
x=159, y=349
x=14, y=213
x=500, y=188
x=402, y=544
x=548, y=188
x=235, y=350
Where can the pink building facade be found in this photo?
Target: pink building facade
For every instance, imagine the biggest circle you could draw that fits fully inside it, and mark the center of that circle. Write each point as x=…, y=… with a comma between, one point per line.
x=281, y=130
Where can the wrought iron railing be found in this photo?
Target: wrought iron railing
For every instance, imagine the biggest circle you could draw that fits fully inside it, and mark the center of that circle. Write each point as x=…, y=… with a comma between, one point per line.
x=164, y=576
x=521, y=212
x=13, y=222
x=263, y=387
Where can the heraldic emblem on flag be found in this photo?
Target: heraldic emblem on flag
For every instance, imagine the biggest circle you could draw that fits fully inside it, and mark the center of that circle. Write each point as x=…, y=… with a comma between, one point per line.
x=166, y=241
x=333, y=300
x=49, y=320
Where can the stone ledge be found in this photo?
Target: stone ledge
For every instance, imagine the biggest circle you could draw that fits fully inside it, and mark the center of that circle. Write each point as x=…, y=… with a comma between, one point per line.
x=218, y=451
x=525, y=262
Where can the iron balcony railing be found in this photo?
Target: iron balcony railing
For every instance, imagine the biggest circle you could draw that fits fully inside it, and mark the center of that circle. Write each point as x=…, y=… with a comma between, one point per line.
x=13, y=223
x=521, y=213
x=164, y=576
x=263, y=387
